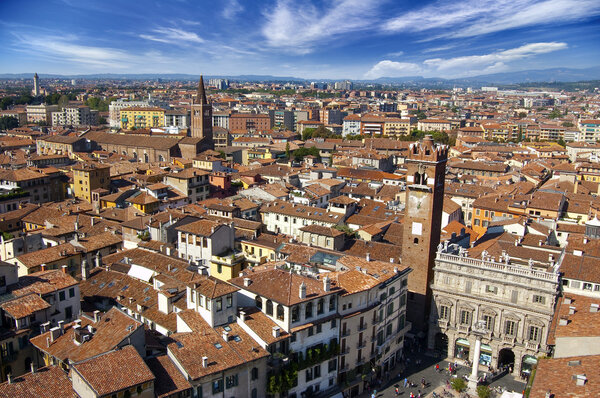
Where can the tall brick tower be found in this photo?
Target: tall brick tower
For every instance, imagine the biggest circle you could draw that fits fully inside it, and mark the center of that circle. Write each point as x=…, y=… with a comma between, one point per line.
x=426, y=167
x=201, y=126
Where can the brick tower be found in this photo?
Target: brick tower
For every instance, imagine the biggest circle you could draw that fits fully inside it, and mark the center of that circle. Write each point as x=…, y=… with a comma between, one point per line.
x=202, y=117
x=426, y=167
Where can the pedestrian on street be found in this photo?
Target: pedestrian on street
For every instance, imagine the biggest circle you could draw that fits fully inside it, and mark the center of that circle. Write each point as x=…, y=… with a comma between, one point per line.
x=397, y=391
x=437, y=367
x=405, y=382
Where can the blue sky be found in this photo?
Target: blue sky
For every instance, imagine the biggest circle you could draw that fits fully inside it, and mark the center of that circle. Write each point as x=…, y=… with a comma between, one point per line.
x=354, y=39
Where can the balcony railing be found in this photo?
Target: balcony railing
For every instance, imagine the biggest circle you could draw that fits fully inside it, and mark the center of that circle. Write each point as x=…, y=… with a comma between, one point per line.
x=362, y=327
x=361, y=344
x=345, y=332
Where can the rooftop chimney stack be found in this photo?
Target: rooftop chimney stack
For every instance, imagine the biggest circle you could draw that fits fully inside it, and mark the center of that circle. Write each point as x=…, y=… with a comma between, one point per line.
x=368, y=257
x=303, y=290
x=247, y=282
x=205, y=362
x=96, y=316
x=326, y=284
x=276, y=331
x=84, y=269
x=225, y=335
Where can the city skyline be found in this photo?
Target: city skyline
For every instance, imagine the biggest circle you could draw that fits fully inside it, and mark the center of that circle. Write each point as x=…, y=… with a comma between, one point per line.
x=346, y=39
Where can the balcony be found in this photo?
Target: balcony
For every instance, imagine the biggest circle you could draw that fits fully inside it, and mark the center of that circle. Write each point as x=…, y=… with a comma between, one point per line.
x=509, y=340
x=362, y=327
x=361, y=344
x=346, y=332
x=532, y=345
x=464, y=328
x=344, y=350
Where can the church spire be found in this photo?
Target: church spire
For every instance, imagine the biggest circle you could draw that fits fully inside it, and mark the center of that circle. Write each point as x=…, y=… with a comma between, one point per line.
x=202, y=99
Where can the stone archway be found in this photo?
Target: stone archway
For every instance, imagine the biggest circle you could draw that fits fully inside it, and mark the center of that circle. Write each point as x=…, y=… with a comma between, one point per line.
x=506, y=357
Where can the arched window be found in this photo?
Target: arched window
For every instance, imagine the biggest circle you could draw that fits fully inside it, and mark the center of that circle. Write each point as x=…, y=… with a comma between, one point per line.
x=320, y=306
x=308, y=313
x=269, y=307
x=161, y=158
x=280, y=312
x=258, y=302
x=295, y=313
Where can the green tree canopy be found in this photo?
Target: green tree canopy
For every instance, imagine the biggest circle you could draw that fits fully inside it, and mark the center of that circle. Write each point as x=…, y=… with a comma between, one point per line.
x=300, y=153
x=8, y=122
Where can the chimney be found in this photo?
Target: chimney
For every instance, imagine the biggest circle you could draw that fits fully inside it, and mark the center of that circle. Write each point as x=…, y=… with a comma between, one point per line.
x=580, y=380
x=84, y=270
x=98, y=260
x=64, y=269
x=395, y=270
x=326, y=284
x=96, y=316
x=392, y=260
x=276, y=331
x=571, y=310
x=92, y=221
x=594, y=307
x=567, y=300
x=48, y=342
x=33, y=369
x=54, y=333
x=303, y=290
x=563, y=321
x=205, y=362
x=368, y=257
x=44, y=327
x=61, y=326
x=43, y=267
x=9, y=378
x=225, y=335
x=585, y=240
x=247, y=282
x=242, y=316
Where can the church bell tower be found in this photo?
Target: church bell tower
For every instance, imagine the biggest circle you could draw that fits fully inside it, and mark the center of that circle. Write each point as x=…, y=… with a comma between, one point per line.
x=425, y=174
x=201, y=126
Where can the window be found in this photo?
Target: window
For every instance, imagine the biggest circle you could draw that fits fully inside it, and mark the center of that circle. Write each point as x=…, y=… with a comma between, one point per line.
x=586, y=286
x=319, y=328
x=311, y=331
x=390, y=309
x=295, y=313
x=229, y=299
x=254, y=393
x=68, y=312
x=465, y=317
x=231, y=381
x=444, y=312
x=308, y=313
x=535, y=333
x=332, y=365
x=389, y=330
x=219, y=304
x=309, y=374
x=489, y=322
x=476, y=222
x=2, y=281
x=401, y=322
x=217, y=386
x=280, y=312
x=320, y=306
x=317, y=371
x=510, y=327
x=402, y=300
x=477, y=212
x=219, y=268
x=542, y=300
x=514, y=297
x=258, y=302
x=491, y=289
x=269, y=310
x=331, y=303
x=392, y=290
x=62, y=296
x=468, y=286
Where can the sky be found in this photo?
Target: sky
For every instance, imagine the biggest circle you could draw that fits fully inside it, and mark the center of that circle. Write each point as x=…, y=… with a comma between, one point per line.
x=312, y=39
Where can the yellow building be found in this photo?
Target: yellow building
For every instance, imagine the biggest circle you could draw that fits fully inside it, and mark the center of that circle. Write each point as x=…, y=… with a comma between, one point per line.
x=87, y=177
x=396, y=127
x=142, y=118
x=227, y=266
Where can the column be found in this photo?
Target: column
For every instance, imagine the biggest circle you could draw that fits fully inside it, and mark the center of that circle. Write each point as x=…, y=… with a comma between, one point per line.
x=476, y=355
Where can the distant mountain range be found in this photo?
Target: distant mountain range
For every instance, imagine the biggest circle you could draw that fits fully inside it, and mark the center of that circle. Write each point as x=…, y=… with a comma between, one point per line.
x=526, y=76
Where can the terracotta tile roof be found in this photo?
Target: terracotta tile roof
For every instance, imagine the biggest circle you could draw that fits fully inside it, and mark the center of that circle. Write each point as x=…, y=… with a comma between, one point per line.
x=380, y=251
x=583, y=268
x=281, y=286
x=113, y=329
x=45, y=382
x=169, y=380
x=189, y=348
x=301, y=211
x=42, y=282
x=201, y=227
x=48, y=255
x=582, y=323
x=262, y=325
x=212, y=287
x=114, y=371
x=320, y=230
x=556, y=375
x=24, y=306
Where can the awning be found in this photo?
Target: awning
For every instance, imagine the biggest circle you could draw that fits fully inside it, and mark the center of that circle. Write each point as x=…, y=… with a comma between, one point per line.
x=464, y=342
x=485, y=347
x=141, y=273
x=530, y=360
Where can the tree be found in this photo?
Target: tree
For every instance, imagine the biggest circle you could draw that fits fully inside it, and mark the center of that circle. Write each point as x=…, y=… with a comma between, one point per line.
x=421, y=115
x=287, y=150
x=484, y=392
x=307, y=133
x=554, y=114
x=300, y=153
x=562, y=142
x=567, y=124
x=63, y=102
x=5, y=102
x=522, y=115
x=459, y=384
x=8, y=122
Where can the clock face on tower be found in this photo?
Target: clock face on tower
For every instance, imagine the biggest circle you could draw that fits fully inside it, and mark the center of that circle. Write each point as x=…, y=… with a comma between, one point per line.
x=418, y=203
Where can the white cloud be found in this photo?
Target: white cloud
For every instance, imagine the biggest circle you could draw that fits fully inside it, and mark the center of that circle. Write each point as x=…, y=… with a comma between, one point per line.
x=395, y=54
x=298, y=27
x=440, y=48
x=463, y=66
x=66, y=49
x=478, y=17
x=231, y=9
x=173, y=36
